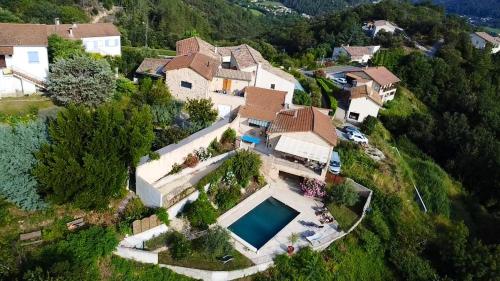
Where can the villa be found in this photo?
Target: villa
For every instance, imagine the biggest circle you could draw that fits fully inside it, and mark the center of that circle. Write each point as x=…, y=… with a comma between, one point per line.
x=24, y=62
x=481, y=39
x=359, y=54
x=374, y=27
x=202, y=70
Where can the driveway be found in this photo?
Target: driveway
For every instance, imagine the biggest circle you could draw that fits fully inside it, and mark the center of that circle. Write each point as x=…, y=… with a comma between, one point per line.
x=341, y=135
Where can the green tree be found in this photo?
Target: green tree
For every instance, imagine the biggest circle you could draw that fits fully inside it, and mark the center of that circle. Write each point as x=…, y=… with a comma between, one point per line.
x=245, y=165
x=60, y=48
x=201, y=213
x=301, y=98
x=344, y=194
x=18, y=145
x=179, y=246
x=88, y=159
x=201, y=113
x=368, y=125
x=216, y=242
x=81, y=80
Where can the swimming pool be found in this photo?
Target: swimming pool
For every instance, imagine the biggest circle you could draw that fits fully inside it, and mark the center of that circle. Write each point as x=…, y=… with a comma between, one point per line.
x=263, y=222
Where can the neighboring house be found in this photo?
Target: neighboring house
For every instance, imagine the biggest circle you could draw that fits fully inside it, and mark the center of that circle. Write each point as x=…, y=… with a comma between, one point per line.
x=260, y=108
x=24, y=62
x=360, y=54
x=379, y=78
x=363, y=102
x=220, y=73
x=374, y=27
x=99, y=38
x=481, y=39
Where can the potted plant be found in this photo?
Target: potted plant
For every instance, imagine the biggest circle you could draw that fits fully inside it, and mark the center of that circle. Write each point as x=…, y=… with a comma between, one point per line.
x=293, y=238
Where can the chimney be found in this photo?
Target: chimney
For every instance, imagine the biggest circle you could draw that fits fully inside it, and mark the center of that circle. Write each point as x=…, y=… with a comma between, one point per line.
x=70, y=30
x=57, y=22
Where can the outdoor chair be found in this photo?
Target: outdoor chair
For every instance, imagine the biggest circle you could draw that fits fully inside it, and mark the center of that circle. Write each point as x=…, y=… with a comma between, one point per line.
x=225, y=259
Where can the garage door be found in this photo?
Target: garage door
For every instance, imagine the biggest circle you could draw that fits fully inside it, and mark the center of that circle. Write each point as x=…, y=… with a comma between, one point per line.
x=224, y=110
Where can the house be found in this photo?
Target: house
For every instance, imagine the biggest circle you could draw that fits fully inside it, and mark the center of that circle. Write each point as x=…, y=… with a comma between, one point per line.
x=99, y=38
x=374, y=27
x=379, y=78
x=363, y=101
x=481, y=39
x=260, y=108
x=201, y=70
x=360, y=54
x=24, y=62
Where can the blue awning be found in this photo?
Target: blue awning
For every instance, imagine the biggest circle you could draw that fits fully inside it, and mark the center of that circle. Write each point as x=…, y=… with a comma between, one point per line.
x=250, y=139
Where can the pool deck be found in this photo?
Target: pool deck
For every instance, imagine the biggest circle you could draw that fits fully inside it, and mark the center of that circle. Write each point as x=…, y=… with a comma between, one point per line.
x=289, y=195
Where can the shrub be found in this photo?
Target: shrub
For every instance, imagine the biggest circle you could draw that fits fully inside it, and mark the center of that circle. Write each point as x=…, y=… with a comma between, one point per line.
x=226, y=198
x=191, y=160
x=319, y=73
x=203, y=154
x=313, y=188
x=157, y=241
x=344, y=194
x=179, y=246
x=162, y=215
x=229, y=136
x=170, y=135
x=176, y=168
x=201, y=113
x=81, y=80
x=368, y=125
x=216, y=242
x=245, y=165
x=215, y=147
x=135, y=210
x=201, y=213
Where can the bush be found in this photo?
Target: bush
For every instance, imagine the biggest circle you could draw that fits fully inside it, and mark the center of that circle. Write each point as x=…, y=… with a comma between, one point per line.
x=301, y=98
x=229, y=136
x=226, y=198
x=313, y=188
x=176, y=168
x=319, y=73
x=81, y=80
x=344, y=194
x=215, y=147
x=162, y=215
x=216, y=242
x=135, y=210
x=191, y=160
x=157, y=241
x=201, y=213
x=203, y=154
x=245, y=165
x=179, y=246
x=168, y=136
x=368, y=125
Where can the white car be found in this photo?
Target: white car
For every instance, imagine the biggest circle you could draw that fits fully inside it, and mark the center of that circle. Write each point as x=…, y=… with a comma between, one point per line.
x=357, y=137
x=339, y=80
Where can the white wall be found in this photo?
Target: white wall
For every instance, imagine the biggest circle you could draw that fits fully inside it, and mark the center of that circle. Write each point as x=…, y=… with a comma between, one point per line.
x=19, y=60
x=137, y=255
x=106, y=46
x=265, y=78
x=364, y=106
x=477, y=41
x=148, y=193
x=200, y=85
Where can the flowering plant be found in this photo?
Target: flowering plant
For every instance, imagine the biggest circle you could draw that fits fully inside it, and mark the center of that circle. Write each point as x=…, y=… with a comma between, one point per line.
x=313, y=188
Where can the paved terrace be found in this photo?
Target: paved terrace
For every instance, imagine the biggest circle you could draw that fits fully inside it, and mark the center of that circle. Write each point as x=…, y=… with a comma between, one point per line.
x=289, y=195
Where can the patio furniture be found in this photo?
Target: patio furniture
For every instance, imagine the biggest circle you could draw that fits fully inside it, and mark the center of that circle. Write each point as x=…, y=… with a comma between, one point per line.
x=314, y=237
x=225, y=259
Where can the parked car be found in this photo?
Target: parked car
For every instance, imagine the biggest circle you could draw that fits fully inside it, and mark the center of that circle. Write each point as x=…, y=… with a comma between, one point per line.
x=357, y=137
x=335, y=164
x=339, y=80
x=348, y=129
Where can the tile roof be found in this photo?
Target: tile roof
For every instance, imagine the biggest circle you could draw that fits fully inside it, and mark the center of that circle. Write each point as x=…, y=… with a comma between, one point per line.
x=383, y=22
x=14, y=34
x=233, y=74
x=365, y=92
x=381, y=75
x=194, y=45
x=83, y=30
x=358, y=51
x=489, y=38
x=306, y=119
x=6, y=50
x=202, y=64
x=262, y=104
x=153, y=66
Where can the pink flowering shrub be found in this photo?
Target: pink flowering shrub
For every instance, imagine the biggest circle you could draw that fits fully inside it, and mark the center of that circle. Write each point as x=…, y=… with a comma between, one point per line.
x=313, y=188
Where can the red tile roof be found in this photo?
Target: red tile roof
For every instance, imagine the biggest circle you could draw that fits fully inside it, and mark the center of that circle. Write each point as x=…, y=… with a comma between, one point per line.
x=381, y=75
x=194, y=45
x=83, y=30
x=489, y=38
x=6, y=50
x=202, y=64
x=262, y=104
x=365, y=92
x=14, y=34
x=153, y=66
x=307, y=119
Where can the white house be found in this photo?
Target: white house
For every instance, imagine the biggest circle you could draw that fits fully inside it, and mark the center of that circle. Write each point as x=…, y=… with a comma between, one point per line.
x=360, y=54
x=99, y=38
x=363, y=102
x=201, y=70
x=374, y=27
x=24, y=62
x=379, y=79
x=481, y=39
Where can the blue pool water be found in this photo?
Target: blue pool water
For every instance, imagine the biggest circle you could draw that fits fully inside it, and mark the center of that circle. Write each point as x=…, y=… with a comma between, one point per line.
x=263, y=222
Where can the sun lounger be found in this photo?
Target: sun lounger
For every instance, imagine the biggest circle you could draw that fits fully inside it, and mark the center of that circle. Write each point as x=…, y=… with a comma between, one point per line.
x=225, y=259
x=314, y=237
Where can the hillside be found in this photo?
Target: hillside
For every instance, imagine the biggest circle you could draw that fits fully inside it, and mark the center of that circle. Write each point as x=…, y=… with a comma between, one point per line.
x=316, y=7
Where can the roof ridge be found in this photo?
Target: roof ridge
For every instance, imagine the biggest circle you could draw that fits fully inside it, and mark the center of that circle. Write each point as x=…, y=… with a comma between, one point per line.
x=249, y=51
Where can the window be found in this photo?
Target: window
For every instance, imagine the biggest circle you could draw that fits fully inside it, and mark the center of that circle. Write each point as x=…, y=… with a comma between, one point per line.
x=2, y=61
x=33, y=57
x=111, y=42
x=273, y=86
x=185, y=84
x=353, y=115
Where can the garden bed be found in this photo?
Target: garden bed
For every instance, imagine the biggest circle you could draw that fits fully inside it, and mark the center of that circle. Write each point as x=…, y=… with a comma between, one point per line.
x=201, y=261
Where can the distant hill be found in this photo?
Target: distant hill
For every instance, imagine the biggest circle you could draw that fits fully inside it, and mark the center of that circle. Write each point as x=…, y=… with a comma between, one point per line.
x=316, y=7
x=477, y=9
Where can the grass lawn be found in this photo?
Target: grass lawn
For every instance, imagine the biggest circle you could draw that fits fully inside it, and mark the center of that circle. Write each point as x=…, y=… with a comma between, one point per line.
x=201, y=261
x=24, y=105
x=346, y=216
